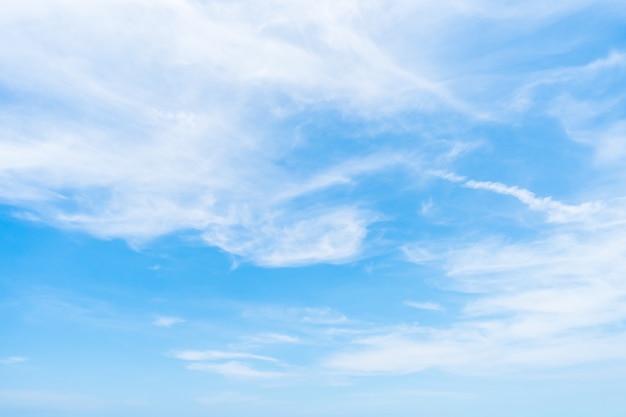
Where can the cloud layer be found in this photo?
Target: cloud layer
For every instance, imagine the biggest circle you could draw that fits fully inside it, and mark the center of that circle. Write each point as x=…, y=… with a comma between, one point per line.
x=138, y=119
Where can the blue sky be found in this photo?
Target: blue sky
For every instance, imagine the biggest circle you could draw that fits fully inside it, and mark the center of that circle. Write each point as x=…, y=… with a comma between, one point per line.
x=298, y=208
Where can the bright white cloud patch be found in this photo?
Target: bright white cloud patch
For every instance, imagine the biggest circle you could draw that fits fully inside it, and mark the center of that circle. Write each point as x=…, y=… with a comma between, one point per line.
x=158, y=131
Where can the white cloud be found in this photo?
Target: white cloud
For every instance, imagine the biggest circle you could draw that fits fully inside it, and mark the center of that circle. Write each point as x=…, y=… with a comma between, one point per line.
x=557, y=212
x=426, y=207
x=322, y=316
x=571, y=95
x=165, y=321
x=424, y=305
x=182, y=127
x=213, y=361
x=476, y=350
x=537, y=303
x=203, y=355
x=176, y=159
x=418, y=254
x=304, y=315
x=235, y=369
x=12, y=360
x=270, y=338
x=543, y=303
x=333, y=237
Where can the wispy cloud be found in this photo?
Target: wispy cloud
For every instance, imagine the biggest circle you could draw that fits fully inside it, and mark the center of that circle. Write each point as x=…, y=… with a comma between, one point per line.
x=178, y=159
x=323, y=316
x=203, y=355
x=186, y=151
x=293, y=133
x=12, y=360
x=166, y=321
x=424, y=305
x=235, y=369
x=305, y=315
x=556, y=211
x=188, y=154
x=543, y=303
x=269, y=338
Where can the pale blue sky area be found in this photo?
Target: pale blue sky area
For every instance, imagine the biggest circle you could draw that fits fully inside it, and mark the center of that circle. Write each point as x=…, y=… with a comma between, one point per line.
x=312, y=208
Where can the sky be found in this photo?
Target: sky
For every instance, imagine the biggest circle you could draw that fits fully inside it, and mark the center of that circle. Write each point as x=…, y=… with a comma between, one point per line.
x=312, y=208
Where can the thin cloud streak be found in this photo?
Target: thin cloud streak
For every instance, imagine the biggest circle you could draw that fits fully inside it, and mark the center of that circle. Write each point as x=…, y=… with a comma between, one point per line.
x=203, y=355
x=557, y=212
x=13, y=360
x=424, y=305
x=235, y=370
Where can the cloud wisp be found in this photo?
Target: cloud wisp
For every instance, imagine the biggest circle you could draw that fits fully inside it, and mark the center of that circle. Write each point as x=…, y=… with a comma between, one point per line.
x=424, y=305
x=167, y=321
x=13, y=360
x=229, y=364
x=203, y=355
x=235, y=370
